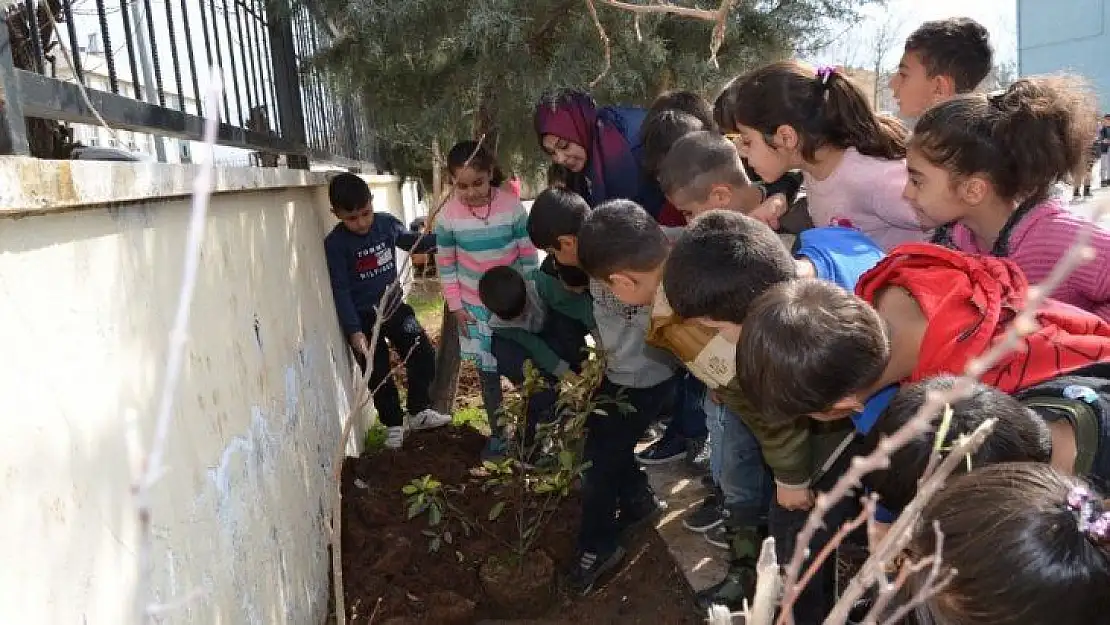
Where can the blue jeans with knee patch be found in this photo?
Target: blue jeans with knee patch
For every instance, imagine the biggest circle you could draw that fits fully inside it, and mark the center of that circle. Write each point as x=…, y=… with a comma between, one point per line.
x=736, y=463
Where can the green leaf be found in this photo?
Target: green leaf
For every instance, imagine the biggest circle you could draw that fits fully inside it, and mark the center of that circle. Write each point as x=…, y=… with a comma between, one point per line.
x=435, y=515
x=496, y=510
x=433, y=545
x=448, y=538
x=566, y=459
x=409, y=489
x=414, y=509
x=489, y=465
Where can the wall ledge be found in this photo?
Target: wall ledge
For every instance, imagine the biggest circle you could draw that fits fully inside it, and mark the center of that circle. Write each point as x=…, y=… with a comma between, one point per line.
x=31, y=186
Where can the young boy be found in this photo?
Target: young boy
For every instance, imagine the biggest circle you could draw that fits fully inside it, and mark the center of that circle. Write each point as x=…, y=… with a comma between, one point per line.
x=616, y=492
x=745, y=258
x=942, y=59
x=535, y=319
x=1064, y=421
x=362, y=264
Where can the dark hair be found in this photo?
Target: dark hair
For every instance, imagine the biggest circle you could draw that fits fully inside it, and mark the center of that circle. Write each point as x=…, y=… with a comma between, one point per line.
x=619, y=235
x=806, y=345
x=687, y=102
x=503, y=291
x=556, y=212
x=698, y=161
x=824, y=112
x=1017, y=550
x=1020, y=435
x=557, y=175
x=348, y=193
x=659, y=132
x=958, y=47
x=475, y=155
x=1025, y=139
x=721, y=263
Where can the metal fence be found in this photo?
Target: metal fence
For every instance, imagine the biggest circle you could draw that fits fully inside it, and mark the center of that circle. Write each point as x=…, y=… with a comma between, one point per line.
x=144, y=64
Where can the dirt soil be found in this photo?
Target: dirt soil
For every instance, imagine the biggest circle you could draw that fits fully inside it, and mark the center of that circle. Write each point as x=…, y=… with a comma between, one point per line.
x=391, y=577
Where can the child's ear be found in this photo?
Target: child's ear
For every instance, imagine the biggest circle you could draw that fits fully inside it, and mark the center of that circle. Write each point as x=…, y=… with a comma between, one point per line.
x=567, y=242
x=847, y=405
x=944, y=88
x=621, y=281
x=720, y=195
x=786, y=137
x=974, y=190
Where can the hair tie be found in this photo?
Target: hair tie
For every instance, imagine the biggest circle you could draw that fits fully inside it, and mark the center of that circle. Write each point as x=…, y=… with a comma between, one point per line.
x=825, y=73
x=1093, y=521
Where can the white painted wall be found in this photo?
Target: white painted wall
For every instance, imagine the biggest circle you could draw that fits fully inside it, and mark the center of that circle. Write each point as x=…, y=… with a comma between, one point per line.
x=87, y=301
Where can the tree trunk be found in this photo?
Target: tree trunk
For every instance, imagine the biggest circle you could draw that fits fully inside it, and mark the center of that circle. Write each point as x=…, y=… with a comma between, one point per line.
x=446, y=381
x=448, y=356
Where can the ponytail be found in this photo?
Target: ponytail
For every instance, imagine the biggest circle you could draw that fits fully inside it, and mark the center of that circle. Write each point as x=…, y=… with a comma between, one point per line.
x=846, y=120
x=823, y=106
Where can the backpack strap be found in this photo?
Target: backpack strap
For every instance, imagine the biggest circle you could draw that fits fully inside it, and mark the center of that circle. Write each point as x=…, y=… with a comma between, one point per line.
x=1082, y=417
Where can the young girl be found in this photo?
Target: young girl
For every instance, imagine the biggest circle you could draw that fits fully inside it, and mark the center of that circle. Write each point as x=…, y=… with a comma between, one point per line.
x=789, y=116
x=987, y=164
x=1025, y=543
x=479, y=228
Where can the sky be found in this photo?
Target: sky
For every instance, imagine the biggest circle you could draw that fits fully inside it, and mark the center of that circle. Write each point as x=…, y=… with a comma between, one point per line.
x=903, y=16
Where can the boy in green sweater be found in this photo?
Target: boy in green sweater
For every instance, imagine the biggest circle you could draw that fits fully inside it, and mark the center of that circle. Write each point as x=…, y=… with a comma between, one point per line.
x=541, y=318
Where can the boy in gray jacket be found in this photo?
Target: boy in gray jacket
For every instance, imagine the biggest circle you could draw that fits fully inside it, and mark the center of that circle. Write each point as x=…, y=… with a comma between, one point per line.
x=616, y=494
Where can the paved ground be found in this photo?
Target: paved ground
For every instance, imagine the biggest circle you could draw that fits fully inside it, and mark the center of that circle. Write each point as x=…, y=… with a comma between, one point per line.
x=703, y=564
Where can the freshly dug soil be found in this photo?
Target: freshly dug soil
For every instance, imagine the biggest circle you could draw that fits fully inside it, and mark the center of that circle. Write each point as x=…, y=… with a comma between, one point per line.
x=386, y=557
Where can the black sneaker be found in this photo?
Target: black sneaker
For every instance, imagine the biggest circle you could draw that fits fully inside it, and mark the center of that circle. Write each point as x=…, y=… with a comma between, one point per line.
x=720, y=536
x=706, y=516
x=662, y=451
x=640, y=513
x=738, y=584
x=591, y=567
x=697, y=453
x=654, y=431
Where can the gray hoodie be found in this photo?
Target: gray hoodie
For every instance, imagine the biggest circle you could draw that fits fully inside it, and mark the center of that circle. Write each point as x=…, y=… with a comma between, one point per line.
x=622, y=335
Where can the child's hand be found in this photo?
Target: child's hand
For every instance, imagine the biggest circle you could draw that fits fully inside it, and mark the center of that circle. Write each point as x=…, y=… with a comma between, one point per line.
x=794, y=498
x=771, y=210
x=463, y=318
x=360, y=343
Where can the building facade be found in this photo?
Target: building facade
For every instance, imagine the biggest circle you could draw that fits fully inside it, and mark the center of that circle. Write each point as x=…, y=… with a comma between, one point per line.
x=1070, y=36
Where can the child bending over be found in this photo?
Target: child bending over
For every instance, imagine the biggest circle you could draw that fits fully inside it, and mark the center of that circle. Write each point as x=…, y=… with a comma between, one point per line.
x=535, y=319
x=1025, y=544
x=745, y=258
x=616, y=493
x=481, y=227
x=987, y=166
x=362, y=264
x=1064, y=421
x=942, y=59
x=790, y=116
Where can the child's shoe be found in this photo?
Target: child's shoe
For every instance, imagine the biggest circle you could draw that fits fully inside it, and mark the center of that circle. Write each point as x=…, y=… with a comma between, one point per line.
x=428, y=419
x=592, y=567
x=394, y=436
x=738, y=584
x=706, y=516
x=662, y=451
x=640, y=513
x=720, y=536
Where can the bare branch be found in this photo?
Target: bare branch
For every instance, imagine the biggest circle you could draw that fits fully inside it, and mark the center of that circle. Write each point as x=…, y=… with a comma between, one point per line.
x=606, y=45
x=151, y=467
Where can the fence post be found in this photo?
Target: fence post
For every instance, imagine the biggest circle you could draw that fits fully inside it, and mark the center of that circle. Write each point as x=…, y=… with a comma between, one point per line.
x=13, y=127
x=287, y=82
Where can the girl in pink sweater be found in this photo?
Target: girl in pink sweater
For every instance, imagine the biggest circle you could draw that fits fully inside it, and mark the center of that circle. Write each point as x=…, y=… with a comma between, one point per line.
x=787, y=116
x=983, y=168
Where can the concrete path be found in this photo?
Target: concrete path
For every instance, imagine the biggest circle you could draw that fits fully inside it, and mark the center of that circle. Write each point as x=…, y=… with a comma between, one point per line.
x=703, y=564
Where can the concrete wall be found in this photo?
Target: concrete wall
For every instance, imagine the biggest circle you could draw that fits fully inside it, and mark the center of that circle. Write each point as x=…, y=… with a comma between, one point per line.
x=1072, y=36
x=90, y=266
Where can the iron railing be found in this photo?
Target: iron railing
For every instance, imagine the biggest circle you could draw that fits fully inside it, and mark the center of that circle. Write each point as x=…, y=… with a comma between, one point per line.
x=144, y=63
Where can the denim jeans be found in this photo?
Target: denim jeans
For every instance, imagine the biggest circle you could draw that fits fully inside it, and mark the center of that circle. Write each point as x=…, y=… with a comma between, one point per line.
x=688, y=420
x=737, y=466
x=403, y=332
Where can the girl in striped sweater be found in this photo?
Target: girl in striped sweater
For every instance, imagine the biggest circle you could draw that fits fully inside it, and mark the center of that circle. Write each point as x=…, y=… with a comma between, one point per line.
x=479, y=228
x=983, y=168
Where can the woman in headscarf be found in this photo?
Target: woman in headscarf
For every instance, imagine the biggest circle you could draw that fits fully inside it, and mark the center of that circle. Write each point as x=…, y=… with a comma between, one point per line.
x=600, y=146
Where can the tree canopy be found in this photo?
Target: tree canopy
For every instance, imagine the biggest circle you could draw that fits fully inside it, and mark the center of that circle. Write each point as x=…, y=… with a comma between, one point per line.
x=426, y=69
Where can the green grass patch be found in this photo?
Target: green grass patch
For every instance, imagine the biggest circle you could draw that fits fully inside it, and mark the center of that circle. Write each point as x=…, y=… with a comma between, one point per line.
x=472, y=416
x=375, y=439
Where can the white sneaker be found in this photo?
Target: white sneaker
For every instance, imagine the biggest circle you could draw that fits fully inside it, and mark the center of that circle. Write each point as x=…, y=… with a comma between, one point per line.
x=394, y=436
x=428, y=419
